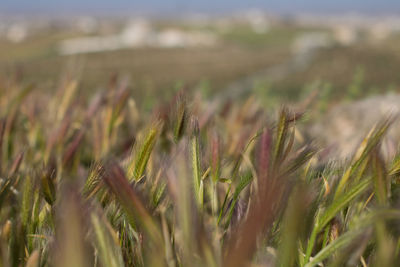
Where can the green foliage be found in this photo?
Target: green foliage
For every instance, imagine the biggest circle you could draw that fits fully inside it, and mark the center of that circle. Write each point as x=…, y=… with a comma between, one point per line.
x=355, y=88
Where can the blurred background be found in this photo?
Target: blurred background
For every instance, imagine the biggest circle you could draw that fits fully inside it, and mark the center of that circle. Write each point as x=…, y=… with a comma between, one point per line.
x=279, y=51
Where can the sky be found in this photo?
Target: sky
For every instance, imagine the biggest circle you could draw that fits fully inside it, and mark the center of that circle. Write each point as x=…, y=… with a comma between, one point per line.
x=203, y=6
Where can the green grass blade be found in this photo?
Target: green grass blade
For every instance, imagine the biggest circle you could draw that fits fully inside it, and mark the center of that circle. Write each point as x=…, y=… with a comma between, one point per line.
x=196, y=168
x=341, y=202
x=138, y=166
x=108, y=249
x=243, y=183
x=341, y=242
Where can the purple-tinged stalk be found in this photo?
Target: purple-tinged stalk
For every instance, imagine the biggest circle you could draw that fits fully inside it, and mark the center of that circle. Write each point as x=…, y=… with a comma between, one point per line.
x=72, y=149
x=57, y=137
x=16, y=164
x=71, y=248
x=242, y=243
x=116, y=180
x=215, y=170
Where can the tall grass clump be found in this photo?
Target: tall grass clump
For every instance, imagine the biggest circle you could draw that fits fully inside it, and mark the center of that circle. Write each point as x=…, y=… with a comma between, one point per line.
x=96, y=182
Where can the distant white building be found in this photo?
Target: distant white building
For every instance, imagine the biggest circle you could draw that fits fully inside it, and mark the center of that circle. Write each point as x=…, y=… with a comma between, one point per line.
x=380, y=32
x=308, y=42
x=17, y=33
x=258, y=21
x=347, y=28
x=345, y=35
x=171, y=38
x=134, y=35
x=384, y=29
x=179, y=38
x=137, y=33
x=90, y=45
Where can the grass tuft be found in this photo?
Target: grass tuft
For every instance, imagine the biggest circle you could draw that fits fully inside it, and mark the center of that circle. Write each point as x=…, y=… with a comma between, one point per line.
x=98, y=183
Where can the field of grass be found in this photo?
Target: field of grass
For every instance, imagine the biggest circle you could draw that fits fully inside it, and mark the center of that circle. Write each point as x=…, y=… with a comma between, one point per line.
x=240, y=53
x=375, y=68
x=143, y=157
x=95, y=181
x=364, y=68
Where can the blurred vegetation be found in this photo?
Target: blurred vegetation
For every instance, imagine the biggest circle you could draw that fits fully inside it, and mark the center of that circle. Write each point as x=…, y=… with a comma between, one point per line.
x=152, y=168
x=352, y=71
x=373, y=65
x=96, y=182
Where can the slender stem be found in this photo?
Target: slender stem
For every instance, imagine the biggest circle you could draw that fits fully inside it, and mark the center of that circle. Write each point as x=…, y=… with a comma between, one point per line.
x=326, y=236
x=310, y=245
